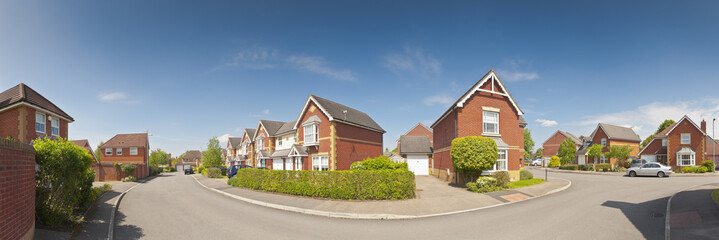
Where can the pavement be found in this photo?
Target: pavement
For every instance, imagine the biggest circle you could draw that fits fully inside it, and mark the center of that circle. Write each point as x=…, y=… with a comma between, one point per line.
x=694, y=214
x=433, y=197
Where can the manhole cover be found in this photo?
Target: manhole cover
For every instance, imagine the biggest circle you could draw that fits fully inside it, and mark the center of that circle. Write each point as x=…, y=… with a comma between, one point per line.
x=657, y=215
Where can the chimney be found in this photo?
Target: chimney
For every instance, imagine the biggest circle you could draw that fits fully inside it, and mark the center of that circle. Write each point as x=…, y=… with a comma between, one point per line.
x=704, y=126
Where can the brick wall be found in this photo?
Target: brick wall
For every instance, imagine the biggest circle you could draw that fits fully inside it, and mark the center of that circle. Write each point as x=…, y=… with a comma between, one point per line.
x=106, y=172
x=141, y=159
x=17, y=190
x=323, y=148
x=697, y=143
x=551, y=146
x=355, y=144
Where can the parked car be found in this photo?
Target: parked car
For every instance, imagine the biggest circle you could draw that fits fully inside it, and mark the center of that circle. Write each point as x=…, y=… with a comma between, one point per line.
x=650, y=169
x=189, y=171
x=537, y=162
x=234, y=169
x=637, y=162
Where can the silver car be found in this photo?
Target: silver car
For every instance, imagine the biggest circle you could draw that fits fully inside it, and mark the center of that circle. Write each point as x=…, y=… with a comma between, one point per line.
x=650, y=169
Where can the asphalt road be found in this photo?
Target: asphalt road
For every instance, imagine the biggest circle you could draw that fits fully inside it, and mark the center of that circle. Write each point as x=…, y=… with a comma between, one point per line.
x=174, y=206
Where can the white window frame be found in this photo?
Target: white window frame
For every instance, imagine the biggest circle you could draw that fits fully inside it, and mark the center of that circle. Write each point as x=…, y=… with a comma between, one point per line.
x=279, y=142
x=311, y=132
x=604, y=142
x=487, y=122
x=42, y=123
x=688, y=138
x=260, y=143
x=664, y=142
x=298, y=163
x=118, y=151
x=320, y=163
x=680, y=160
x=500, y=160
x=603, y=159
x=109, y=151
x=53, y=127
x=133, y=151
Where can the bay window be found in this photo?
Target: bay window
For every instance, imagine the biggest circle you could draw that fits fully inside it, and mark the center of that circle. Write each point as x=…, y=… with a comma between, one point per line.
x=320, y=163
x=490, y=121
x=602, y=159
x=685, y=159
x=40, y=123
x=501, y=164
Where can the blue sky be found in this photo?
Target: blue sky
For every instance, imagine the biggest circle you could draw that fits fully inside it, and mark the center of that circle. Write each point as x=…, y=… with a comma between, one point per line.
x=188, y=71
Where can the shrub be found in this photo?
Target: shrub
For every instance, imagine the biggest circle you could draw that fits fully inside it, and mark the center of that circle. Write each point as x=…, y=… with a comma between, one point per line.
x=201, y=169
x=691, y=169
x=586, y=167
x=358, y=185
x=154, y=170
x=472, y=186
x=378, y=163
x=214, y=172
x=620, y=169
x=484, y=185
x=702, y=169
x=602, y=167
x=63, y=181
x=709, y=164
x=554, y=162
x=486, y=181
x=525, y=175
x=502, y=178
x=129, y=179
x=128, y=168
x=570, y=167
x=472, y=155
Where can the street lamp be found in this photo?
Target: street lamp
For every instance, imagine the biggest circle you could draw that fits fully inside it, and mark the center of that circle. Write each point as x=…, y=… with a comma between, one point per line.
x=714, y=144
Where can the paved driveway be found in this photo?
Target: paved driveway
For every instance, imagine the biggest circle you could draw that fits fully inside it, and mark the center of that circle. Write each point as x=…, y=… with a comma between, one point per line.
x=595, y=207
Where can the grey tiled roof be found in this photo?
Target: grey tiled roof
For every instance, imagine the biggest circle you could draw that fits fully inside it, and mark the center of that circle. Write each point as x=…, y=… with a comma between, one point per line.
x=192, y=155
x=354, y=116
x=522, y=122
x=414, y=144
x=288, y=127
x=235, y=141
x=23, y=93
x=271, y=127
x=250, y=132
x=302, y=150
x=574, y=139
x=264, y=153
x=280, y=153
x=620, y=133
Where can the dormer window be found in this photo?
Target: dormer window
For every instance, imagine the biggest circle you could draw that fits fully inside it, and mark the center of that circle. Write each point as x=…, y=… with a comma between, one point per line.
x=490, y=121
x=40, y=123
x=311, y=134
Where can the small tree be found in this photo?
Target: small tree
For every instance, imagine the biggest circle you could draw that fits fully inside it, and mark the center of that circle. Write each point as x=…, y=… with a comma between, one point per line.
x=646, y=141
x=538, y=153
x=566, y=152
x=98, y=151
x=472, y=155
x=528, y=143
x=554, y=162
x=595, y=151
x=621, y=153
x=212, y=157
x=159, y=157
x=664, y=125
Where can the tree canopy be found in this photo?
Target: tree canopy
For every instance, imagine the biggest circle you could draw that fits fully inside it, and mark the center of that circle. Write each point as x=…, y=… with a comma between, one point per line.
x=98, y=151
x=474, y=154
x=664, y=125
x=595, y=151
x=646, y=141
x=159, y=157
x=212, y=157
x=566, y=152
x=538, y=153
x=528, y=143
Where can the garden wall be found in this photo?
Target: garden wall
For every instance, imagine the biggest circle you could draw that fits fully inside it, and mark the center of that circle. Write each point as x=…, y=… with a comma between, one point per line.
x=107, y=172
x=17, y=190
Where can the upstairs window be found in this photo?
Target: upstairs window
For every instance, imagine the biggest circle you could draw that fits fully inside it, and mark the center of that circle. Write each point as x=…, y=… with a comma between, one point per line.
x=491, y=122
x=664, y=142
x=133, y=151
x=118, y=152
x=311, y=133
x=108, y=151
x=604, y=142
x=40, y=123
x=260, y=143
x=55, y=126
x=279, y=141
x=603, y=159
x=686, y=138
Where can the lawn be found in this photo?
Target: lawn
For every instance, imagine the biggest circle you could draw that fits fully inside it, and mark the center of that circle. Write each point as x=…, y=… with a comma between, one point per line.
x=530, y=182
x=715, y=196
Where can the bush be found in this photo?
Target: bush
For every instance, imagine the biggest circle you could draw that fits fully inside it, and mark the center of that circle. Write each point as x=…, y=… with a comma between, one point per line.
x=154, y=170
x=554, y=162
x=129, y=179
x=201, y=169
x=214, y=172
x=378, y=163
x=691, y=169
x=570, y=167
x=702, y=169
x=473, y=154
x=357, y=185
x=128, y=168
x=63, y=182
x=525, y=175
x=586, y=167
x=709, y=164
x=484, y=185
x=620, y=169
x=502, y=178
x=602, y=167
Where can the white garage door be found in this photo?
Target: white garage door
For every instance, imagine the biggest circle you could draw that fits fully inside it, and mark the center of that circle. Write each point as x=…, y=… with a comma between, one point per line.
x=650, y=158
x=581, y=160
x=180, y=168
x=277, y=164
x=418, y=164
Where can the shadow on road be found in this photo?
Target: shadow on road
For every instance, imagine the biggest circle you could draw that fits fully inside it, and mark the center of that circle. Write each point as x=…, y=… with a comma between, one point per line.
x=126, y=231
x=647, y=217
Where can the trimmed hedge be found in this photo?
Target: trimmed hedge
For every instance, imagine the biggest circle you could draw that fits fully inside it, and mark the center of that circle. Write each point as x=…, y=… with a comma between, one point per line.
x=709, y=164
x=586, y=167
x=605, y=167
x=354, y=185
x=570, y=167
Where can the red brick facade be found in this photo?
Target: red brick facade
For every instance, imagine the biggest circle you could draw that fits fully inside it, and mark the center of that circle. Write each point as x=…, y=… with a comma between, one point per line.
x=697, y=142
x=468, y=121
x=599, y=134
x=551, y=146
x=417, y=130
x=19, y=123
x=17, y=190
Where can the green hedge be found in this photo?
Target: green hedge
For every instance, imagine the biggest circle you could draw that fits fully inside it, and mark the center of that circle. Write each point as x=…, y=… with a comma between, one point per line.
x=709, y=164
x=525, y=175
x=570, y=167
x=359, y=185
x=602, y=167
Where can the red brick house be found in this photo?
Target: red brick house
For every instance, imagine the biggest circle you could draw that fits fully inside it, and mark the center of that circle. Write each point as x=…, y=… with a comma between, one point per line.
x=230, y=152
x=331, y=136
x=679, y=145
x=610, y=135
x=26, y=115
x=246, y=150
x=265, y=143
x=191, y=159
x=551, y=145
x=486, y=109
x=418, y=130
x=417, y=150
x=127, y=149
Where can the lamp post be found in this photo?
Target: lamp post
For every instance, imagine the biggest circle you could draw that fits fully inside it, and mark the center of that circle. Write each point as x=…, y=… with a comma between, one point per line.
x=714, y=145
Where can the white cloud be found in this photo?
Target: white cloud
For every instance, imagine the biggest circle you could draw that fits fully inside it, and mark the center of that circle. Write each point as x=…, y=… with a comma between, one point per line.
x=513, y=72
x=413, y=61
x=113, y=96
x=263, y=113
x=266, y=111
x=437, y=100
x=318, y=65
x=253, y=58
x=645, y=119
x=547, y=123
x=224, y=138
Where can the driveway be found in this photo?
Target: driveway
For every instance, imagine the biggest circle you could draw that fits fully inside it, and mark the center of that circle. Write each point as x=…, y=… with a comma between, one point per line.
x=595, y=207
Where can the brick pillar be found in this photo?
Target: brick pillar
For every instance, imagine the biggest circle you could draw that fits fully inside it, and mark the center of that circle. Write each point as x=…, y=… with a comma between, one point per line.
x=17, y=185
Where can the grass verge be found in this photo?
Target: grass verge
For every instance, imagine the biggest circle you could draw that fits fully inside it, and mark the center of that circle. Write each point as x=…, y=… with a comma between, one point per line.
x=527, y=183
x=715, y=196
